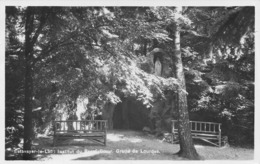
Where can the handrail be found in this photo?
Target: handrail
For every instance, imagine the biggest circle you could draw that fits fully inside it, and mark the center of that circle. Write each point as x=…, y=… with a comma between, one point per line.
x=96, y=130
x=200, y=126
x=80, y=125
x=82, y=121
x=200, y=122
x=205, y=131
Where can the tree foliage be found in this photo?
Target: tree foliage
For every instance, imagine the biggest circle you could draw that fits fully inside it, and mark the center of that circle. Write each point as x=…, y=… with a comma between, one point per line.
x=220, y=68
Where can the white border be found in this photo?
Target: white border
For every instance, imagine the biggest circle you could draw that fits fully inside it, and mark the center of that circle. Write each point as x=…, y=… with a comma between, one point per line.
x=131, y=2
x=255, y=3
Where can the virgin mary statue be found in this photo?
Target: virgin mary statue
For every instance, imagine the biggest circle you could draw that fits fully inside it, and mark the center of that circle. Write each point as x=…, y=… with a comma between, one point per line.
x=157, y=67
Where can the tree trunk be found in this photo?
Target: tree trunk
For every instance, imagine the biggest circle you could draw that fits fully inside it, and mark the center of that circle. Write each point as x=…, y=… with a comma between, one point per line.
x=187, y=149
x=28, y=128
x=31, y=36
x=28, y=94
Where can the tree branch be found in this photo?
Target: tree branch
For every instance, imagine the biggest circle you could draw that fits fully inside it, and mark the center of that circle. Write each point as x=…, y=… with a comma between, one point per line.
x=42, y=57
x=43, y=20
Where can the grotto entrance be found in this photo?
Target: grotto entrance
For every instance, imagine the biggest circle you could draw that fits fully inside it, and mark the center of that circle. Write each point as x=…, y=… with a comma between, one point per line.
x=130, y=114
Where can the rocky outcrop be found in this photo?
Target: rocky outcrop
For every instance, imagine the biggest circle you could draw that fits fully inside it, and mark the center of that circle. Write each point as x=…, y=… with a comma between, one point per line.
x=132, y=114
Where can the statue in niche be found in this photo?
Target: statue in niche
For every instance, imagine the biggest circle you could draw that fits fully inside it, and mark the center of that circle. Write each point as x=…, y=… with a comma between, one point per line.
x=157, y=67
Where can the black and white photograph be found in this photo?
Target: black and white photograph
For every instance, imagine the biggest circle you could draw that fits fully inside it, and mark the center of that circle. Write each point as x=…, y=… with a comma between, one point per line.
x=123, y=82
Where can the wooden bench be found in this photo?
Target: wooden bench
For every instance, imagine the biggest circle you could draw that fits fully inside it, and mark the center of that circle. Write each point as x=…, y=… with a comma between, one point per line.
x=207, y=131
x=94, y=130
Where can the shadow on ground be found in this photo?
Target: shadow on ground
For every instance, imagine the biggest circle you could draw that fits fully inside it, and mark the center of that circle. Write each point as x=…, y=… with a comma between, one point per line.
x=129, y=145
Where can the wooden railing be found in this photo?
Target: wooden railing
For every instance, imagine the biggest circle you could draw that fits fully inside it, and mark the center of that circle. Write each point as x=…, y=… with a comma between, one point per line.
x=94, y=130
x=206, y=131
x=80, y=126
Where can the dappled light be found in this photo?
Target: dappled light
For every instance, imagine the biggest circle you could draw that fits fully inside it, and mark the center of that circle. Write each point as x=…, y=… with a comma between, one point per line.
x=199, y=147
x=117, y=137
x=129, y=145
x=134, y=140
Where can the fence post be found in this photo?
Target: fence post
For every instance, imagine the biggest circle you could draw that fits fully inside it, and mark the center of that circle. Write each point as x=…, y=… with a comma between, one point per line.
x=173, y=130
x=54, y=132
x=219, y=139
x=105, y=139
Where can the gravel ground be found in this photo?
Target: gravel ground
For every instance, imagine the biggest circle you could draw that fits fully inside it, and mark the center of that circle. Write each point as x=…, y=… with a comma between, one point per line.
x=131, y=145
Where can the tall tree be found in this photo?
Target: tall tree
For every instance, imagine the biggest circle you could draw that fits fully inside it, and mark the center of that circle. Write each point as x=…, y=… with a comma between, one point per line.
x=14, y=81
x=31, y=35
x=43, y=29
x=187, y=148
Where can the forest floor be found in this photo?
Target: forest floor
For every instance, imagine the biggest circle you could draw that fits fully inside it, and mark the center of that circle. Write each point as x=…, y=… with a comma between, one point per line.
x=131, y=145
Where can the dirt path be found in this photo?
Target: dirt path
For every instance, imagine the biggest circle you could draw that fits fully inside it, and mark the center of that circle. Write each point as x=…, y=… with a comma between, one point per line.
x=131, y=145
